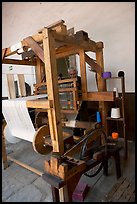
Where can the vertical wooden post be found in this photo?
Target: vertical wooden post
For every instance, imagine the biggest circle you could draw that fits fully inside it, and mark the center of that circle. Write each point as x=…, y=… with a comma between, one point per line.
x=11, y=86
x=38, y=71
x=54, y=115
x=4, y=154
x=22, y=84
x=83, y=71
x=123, y=115
x=101, y=84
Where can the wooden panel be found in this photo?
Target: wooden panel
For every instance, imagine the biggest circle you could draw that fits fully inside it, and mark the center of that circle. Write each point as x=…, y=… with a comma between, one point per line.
x=54, y=115
x=22, y=87
x=11, y=86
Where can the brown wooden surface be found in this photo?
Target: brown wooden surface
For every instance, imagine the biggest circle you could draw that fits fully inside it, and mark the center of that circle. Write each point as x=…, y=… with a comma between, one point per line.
x=46, y=104
x=101, y=84
x=73, y=41
x=19, y=62
x=99, y=96
x=83, y=71
x=11, y=86
x=122, y=191
x=37, y=49
x=52, y=90
x=4, y=153
x=22, y=86
x=93, y=64
x=38, y=70
x=36, y=171
x=3, y=53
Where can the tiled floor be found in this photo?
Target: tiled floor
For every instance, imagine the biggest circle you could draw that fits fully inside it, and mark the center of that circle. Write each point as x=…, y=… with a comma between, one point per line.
x=21, y=185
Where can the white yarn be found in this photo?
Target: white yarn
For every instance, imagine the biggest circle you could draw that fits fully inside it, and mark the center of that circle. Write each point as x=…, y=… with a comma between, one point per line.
x=17, y=116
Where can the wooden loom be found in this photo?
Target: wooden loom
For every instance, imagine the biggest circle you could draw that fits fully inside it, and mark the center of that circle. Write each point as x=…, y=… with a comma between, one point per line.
x=49, y=44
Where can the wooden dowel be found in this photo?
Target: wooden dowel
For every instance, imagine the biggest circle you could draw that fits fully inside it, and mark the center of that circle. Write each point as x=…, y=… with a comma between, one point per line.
x=25, y=166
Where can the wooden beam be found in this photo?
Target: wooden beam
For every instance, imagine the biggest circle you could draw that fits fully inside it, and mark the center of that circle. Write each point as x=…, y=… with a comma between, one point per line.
x=67, y=52
x=11, y=86
x=72, y=40
x=83, y=71
x=53, y=25
x=36, y=171
x=54, y=115
x=4, y=153
x=40, y=103
x=18, y=62
x=37, y=49
x=99, y=96
x=22, y=86
x=103, y=106
x=3, y=53
x=93, y=64
x=38, y=71
x=38, y=38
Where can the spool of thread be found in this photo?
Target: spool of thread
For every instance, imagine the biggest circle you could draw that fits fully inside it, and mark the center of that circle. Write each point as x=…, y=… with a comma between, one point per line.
x=106, y=75
x=115, y=112
x=116, y=90
x=98, y=117
x=115, y=135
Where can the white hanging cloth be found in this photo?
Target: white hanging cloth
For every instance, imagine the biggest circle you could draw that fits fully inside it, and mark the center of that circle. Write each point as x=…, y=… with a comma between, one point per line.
x=17, y=117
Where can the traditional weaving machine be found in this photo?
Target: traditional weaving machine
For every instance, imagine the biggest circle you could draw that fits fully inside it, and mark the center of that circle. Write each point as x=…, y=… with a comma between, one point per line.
x=52, y=116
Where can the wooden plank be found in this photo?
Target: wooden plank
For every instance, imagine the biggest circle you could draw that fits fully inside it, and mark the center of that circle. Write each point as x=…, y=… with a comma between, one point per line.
x=72, y=40
x=114, y=189
x=100, y=62
x=72, y=58
x=18, y=62
x=37, y=49
x=22, y=86
x=83, y=71
x=99, y=96
x=128, y=193
x=67, y=52
x=69, y=80
x=42, y=103
x=54, y=115
x=53, y=25
x=11, y=86
x=4, y=153
x=69, y=111
x=118, y=194
x=101, y=84
x=93, y=64
x=38, y=71
x=38, y=38
x=36, y=171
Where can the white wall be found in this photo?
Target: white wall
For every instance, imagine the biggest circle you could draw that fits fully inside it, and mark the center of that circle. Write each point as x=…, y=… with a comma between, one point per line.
x=110, y=22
